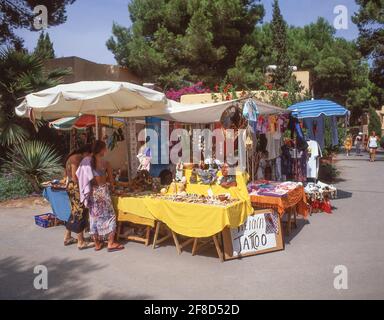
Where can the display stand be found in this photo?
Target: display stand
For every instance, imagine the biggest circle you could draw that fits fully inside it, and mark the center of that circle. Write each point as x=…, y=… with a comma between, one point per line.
x=228, y=240
x=196, y=247
x=168, y=234
x=134, y=219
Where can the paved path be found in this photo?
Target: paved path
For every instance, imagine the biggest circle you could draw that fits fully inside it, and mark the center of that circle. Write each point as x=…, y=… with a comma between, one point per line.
x=353, y=236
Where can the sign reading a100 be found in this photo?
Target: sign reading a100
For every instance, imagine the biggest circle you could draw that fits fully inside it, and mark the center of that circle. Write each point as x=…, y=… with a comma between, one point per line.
x=252, y=236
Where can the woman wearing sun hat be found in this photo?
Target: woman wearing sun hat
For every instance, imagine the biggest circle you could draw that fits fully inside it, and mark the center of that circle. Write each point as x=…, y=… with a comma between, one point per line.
x=359, y=143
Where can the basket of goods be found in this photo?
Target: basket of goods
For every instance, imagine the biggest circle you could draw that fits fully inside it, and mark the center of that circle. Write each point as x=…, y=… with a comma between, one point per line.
x=45, y=220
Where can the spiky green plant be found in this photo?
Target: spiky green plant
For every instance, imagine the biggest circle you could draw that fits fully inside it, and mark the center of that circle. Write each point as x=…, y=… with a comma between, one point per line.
x=21, y=73
x=35, y=161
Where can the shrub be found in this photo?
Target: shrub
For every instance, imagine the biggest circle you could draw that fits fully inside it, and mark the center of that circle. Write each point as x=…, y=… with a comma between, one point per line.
x=328, y=172
x=374, y=122
x=382, y=142
x=14, y=187
x=35, y=161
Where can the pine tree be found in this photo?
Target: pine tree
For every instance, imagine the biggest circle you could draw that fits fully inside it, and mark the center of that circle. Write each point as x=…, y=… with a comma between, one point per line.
x=374, y=122
x=370, y=21
x=44, y=48
x=18, y=14
x=173, y=41
x=283, y=73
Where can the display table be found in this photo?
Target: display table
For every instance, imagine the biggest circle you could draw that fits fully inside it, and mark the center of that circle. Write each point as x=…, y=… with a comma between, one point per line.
x=292, y=198
x=239, y=192
x=59, y=201
x=292, y=202
x=133, y=210
x=187, y=219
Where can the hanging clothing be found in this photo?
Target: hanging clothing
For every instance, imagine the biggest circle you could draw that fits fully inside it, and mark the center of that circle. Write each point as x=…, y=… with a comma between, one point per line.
x=320, y=130
x=335, y=134
x=274, y=143
x=316, y=129
x=251, y=113
x=294, y=126
x=308, y=123
x=286, y=162
x=278, y=169
x=261, y=169
x=314, y=159
x=299, y=167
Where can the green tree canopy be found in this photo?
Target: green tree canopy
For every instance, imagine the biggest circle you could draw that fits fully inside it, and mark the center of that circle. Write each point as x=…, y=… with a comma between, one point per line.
x=370, y=21
x=15, y=14
x=44, y=48
x=280, y=47
x=171, y=41
x=374, y=122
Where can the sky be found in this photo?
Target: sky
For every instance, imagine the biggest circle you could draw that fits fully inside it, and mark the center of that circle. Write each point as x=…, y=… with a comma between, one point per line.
x=89, y=24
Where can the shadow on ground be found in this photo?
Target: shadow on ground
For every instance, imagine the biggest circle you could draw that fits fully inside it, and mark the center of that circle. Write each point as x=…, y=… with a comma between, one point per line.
x=301, y=223
x=67, y=279
x=342, y=194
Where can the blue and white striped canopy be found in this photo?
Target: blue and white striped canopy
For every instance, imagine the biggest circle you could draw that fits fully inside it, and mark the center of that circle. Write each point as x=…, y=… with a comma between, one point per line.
x=315, y=108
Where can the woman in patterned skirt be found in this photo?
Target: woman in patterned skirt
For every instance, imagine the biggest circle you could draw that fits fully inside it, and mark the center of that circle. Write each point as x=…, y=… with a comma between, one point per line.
x=78, y=220
x=94, y=173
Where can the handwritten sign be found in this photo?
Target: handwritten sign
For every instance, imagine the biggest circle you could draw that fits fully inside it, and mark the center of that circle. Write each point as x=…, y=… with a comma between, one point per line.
x=252, y=236
x=259, y=233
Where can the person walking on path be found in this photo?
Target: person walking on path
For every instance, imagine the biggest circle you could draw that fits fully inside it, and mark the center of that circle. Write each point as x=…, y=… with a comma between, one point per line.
x=359, y=143
x=372, y=146
x=348, y=144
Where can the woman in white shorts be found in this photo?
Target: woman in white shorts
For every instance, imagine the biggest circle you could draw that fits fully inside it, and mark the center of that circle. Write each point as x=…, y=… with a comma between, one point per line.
x=372, y=146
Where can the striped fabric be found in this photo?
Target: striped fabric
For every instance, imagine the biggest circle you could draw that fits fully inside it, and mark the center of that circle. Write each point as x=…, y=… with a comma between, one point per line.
x=315, y=108
x=84, y=121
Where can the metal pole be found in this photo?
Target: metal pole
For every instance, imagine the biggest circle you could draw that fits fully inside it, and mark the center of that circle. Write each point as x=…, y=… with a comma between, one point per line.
x=97, y=126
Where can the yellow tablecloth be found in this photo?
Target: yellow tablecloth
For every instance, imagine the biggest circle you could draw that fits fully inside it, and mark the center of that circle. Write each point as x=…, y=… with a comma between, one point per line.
x=239, y=192
x=132, y=205
x=197, y=220
x=190, y=219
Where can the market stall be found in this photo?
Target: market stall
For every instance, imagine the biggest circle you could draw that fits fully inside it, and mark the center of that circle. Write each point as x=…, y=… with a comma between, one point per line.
x=313, y=114
x=285, y=197
x=214, y=204
x=182, y=211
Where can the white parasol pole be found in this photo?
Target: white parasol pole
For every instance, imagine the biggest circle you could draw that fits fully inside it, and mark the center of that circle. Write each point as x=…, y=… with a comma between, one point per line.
x=127, y=140
x=97, y=126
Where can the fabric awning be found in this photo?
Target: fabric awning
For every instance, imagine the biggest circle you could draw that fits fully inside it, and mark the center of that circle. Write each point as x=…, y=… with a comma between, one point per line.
x=316, y=108
x=85, y=121
x=195, y=113
x=89, y=97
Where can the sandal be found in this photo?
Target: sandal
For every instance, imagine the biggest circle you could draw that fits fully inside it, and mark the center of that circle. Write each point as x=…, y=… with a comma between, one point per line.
x=70, y=241
x=99, y=248
x=117, y=248
x=86, y=245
